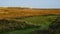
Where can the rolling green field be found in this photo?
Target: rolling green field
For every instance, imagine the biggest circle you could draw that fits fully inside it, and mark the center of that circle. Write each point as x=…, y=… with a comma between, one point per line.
x=42, y=21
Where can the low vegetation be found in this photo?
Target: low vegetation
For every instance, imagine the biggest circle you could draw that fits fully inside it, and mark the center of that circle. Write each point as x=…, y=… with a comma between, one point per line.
x=54, y=28
x=11, y=25
x=42, y=21
x=15, y=20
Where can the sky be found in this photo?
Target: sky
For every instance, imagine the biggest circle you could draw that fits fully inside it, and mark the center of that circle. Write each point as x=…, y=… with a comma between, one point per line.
x=31, y=3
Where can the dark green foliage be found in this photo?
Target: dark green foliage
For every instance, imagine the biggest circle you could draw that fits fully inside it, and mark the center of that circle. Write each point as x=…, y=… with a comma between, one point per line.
x=54, y=28
x=40, y=32
x=11, y=25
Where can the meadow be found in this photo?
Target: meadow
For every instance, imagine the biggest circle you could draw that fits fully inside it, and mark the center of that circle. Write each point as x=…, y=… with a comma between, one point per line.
x=16, y=20
x=43, y=21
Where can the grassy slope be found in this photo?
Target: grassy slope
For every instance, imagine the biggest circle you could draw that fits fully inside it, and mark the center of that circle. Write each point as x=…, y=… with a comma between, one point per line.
x=44, y=21
x=40, y=20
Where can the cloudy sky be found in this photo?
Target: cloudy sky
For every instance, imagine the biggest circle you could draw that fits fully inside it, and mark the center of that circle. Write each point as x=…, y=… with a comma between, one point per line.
x=32, y=3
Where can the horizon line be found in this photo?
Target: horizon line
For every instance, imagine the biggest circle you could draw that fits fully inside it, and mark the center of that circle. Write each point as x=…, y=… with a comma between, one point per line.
x=28, y=7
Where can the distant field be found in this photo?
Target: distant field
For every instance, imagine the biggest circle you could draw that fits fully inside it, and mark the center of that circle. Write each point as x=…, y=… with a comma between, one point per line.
x=21, y=12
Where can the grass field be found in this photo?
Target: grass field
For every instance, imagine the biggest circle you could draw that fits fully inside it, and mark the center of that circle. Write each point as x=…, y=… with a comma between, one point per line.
x=42, y=21
x=21, y=20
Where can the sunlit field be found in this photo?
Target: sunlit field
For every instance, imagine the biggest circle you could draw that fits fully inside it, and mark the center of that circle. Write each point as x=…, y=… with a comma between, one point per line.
x=29, y=21
x=10, y=12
